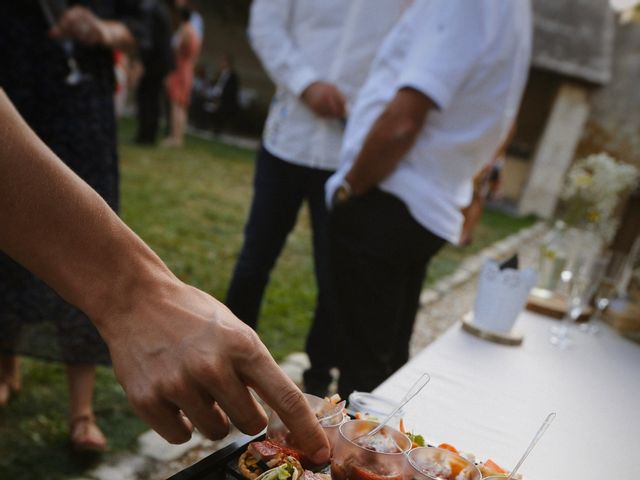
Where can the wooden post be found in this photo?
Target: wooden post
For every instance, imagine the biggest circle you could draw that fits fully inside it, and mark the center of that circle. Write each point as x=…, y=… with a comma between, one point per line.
x=629, y=229
x=555, y=150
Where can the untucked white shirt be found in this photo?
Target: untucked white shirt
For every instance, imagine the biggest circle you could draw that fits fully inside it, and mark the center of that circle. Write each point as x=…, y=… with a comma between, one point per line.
x=303, y=41
x=471, y=58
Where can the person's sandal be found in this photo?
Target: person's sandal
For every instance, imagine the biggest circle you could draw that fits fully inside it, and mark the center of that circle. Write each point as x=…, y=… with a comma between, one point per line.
x=85, y=435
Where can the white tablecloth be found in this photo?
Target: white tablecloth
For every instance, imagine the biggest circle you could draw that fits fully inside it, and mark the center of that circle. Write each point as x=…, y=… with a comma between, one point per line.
x=490, y=400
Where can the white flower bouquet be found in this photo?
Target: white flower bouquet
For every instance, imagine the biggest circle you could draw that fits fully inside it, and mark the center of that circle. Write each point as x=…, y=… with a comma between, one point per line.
x=593, y=187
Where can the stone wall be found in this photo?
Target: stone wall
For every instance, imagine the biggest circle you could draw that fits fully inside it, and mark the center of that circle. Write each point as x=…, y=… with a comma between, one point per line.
x=613, y=124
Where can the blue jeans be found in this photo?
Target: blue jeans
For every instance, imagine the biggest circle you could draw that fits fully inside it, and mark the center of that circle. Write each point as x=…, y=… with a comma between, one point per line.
x=280, y=188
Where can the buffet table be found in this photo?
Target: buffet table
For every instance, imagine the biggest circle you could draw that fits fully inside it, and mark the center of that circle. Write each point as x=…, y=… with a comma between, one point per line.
x=490, y=400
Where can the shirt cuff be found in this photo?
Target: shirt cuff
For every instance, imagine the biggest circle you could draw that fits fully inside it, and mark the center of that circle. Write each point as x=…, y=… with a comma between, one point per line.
x=430, y=86
x=331, y=186
x=301, y=79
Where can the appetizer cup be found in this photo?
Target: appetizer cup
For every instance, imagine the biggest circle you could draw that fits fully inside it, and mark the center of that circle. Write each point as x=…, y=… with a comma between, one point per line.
x=333, y=431
x=369, y=406
x=383, y=458
x=330, y=416
x=430, y=463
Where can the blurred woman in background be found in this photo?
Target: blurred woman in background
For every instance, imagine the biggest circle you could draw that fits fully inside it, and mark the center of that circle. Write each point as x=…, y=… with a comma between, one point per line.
x=187, y=48
x=57, y=69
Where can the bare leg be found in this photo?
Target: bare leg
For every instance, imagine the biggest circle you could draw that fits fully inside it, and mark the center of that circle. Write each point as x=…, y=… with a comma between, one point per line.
x=10, y=371
x=85, y=433
x=81, y=381
x=10, y=381
x=178, y=116
x=181, y=121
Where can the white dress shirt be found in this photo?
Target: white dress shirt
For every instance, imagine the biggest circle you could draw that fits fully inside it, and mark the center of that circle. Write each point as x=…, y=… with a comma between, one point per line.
x=471, y=58
x=303, y=41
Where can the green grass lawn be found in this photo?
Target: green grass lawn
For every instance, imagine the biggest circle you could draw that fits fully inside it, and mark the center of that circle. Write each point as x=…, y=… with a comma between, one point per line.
x=190, y=206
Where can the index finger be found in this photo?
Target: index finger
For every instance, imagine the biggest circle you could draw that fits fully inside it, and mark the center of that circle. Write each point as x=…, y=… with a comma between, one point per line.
x=281, y=394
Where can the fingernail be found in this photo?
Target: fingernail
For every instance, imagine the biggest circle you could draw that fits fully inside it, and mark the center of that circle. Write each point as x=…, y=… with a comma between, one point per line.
x=321, y=456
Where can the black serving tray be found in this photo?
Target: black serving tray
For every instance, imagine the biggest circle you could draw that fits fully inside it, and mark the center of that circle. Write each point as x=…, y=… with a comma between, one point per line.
x=220, y=465
x=223, y=464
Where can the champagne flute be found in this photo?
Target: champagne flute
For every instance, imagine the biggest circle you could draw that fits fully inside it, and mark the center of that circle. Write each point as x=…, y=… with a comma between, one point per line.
x=613, y=268
x=630, y=269
x=578, y=281
x=53, y=10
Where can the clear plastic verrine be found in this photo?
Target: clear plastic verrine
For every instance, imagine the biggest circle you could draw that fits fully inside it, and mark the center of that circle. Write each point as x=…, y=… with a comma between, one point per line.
x=354, y=462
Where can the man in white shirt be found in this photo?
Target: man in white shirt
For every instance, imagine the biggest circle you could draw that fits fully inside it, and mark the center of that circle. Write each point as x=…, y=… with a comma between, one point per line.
x=441, y=95
x=318, y=54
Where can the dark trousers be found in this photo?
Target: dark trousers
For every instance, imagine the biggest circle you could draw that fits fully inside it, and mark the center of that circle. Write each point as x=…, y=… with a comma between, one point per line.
x=378, y=258
x=280, y=188
x=148, y=102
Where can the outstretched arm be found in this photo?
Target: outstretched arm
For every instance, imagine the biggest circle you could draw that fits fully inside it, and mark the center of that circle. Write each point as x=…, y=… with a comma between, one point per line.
x=174, y=348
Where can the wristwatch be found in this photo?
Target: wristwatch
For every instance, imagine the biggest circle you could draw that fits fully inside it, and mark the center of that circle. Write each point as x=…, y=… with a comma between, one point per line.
x=342, y=194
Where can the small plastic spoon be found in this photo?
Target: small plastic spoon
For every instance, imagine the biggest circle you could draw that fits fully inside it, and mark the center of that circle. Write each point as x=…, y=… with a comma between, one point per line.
x=539, y=433
x=413, y=391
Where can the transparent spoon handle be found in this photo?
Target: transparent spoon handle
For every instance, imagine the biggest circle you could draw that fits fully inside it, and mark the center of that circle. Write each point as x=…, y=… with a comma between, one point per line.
x=413, y=391
x=539, y=433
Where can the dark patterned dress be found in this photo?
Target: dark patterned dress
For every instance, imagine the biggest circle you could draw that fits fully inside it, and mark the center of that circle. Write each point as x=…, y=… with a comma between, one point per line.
x=78, y=124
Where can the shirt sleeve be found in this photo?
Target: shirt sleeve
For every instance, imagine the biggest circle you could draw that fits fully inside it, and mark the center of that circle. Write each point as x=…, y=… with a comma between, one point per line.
x=270, y=39
x=445, y=48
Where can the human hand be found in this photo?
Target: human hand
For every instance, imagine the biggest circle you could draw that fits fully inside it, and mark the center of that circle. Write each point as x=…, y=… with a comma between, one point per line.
x=185, y=360
x=325, y=100
x=80, y=24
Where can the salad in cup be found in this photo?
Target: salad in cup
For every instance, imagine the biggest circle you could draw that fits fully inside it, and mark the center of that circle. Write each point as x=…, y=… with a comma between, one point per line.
x=431, y=463
x=357, y=456
x=329, y=412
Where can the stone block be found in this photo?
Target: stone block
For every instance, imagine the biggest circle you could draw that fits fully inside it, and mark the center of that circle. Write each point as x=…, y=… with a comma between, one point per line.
x=123, y=467
x=472, y=264
x=152, y=445
x=444, y=286
x=293, y=371
x=428, y=296
x=460, y=276
x=300, y=359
